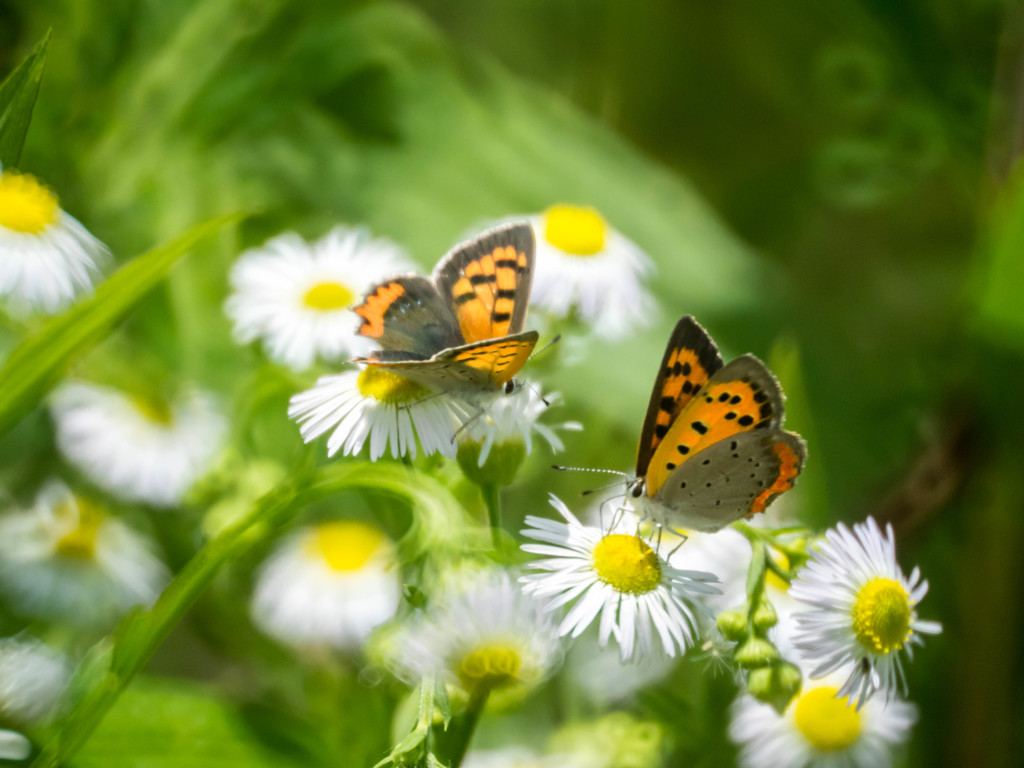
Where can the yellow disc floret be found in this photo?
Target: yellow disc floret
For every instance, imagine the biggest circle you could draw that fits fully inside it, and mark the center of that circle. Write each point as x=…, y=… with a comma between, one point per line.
x=327, y=297
x=881, y=615
x=490, y=666
x=828, y=723
x=390, y=387
x=155, y=409
x=574, y=229
x=627, y=563
x=346, y=545
x=25, y=204
x=79, y=542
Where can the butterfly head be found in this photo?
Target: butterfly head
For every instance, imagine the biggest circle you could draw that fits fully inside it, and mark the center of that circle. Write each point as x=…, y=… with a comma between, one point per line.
x=635, y=488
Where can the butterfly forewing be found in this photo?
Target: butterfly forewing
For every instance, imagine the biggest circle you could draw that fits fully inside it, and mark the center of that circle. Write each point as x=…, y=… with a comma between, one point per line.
x=487, y=281
x=741, y=397
x=731, y=479
x=691, y=358
x=406, y=314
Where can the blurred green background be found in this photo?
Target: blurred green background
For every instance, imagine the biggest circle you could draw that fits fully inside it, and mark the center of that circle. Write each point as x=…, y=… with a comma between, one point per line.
x=830, y=185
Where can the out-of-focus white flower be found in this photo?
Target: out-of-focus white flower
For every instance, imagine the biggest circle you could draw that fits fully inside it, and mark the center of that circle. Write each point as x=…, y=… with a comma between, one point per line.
x=483, y=634
x=514, y=418
x=520, y=757
x=32, y=680
x=136, y=449
x=328, y=584
x=47, y=258
x=618, y=576
x=583, y=264
x=820, y=730
x=296, y=297
x=66, y=559
x=863, y=610
x=374, y=404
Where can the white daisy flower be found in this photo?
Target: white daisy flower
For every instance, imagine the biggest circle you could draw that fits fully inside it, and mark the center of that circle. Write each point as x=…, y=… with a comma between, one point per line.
x=585, y=265
x=328, y=584
x=32, y=681
x=820, y=729
x=138, y=450
x=863, y=610
x=483, y=634
x=377, y=405
x=296, y=297
x=47, y=258
x=618, y=575
x=65, y=559
x=513, y=418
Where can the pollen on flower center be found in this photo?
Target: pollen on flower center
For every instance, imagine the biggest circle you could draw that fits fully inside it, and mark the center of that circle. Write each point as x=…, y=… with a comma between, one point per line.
x=328, y=296
x=828, y=723
x=80, y=542
x=627, y=563
x=390, y=387
x=346, y=545
x=489, y=666
x=881, y=615
x=574, y=229
x=25, y=204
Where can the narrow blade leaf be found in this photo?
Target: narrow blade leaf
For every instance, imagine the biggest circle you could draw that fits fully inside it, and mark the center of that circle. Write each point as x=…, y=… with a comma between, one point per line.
x=18, y=94
x=34, y=367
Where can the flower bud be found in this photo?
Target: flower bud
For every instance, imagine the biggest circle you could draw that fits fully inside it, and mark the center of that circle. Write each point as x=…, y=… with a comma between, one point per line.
x=732, y=625
x=756, y=652
x=765, y=617
x=501, y=466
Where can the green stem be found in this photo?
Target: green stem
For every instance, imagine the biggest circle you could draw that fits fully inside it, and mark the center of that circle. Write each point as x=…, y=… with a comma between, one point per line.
x=492, y=498
x=461, y=734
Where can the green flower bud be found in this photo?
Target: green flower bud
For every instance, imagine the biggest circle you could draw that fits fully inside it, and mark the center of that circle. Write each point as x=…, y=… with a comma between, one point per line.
x=732, y=625
x=776, y=684
x=765, y=617
x=502, y=463
x=756, y=652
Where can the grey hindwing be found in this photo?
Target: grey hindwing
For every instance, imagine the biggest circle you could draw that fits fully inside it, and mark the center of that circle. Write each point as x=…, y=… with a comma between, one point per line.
x=520, y=236
x=718, y=485
x=419, y=322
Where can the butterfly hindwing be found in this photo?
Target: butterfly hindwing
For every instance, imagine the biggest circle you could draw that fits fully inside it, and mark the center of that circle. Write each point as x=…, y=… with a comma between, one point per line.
x=406, y=314
x=487, y=282
x=741, y=397
x=691, y=358
x=730, y=479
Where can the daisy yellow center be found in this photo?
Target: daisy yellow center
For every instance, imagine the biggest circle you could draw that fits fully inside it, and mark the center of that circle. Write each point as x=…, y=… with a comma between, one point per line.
x=25, y=204
x=490, y=666
x=390, y=387
x=346, y=545
x=828, y=723
x=79, y=543
x=881, y=615
x=772, y=578
x=155, y=409
x=626, y=563
x=326, y=297
x=574, y=229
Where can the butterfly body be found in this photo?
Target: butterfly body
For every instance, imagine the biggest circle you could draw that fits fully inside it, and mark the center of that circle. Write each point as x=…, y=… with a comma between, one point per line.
x=460, y=331
x=712, y=449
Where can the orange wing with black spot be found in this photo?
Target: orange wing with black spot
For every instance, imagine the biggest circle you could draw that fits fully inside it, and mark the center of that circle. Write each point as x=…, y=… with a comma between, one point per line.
x=690, y=359
x=487, y=282
x=406, y=315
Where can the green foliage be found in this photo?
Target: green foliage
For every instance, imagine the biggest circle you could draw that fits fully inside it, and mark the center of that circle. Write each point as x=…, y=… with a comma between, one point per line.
x=18, y=94
x=41, y=359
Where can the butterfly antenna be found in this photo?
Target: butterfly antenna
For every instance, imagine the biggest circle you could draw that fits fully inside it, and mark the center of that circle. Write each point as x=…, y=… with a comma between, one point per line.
x=538, y=393
x=546, y=347
x=466, y=423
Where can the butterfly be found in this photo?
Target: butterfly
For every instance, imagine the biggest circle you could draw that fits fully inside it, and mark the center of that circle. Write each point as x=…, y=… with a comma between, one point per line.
x=712, y=448
x=460, y=331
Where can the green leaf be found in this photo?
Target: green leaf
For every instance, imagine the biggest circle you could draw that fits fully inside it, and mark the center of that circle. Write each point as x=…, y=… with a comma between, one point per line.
x=165, y=724
x=36, y=365
x=17, y=99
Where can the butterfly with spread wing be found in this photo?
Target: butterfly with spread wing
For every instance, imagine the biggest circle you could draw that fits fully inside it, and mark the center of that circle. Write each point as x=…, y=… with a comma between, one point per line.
x=712, y=449
x=462, y=331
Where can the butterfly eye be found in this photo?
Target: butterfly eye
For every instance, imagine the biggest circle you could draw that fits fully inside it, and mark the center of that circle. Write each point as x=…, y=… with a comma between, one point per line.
x=637, y=489
x=510, y=386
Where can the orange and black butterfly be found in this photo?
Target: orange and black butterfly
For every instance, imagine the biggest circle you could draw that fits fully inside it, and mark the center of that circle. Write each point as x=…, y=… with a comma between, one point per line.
x=462, y=330
x=712, y=448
